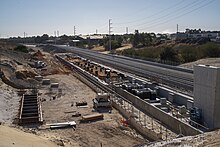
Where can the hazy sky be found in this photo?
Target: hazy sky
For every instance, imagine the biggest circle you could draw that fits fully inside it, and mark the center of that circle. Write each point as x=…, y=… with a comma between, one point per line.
x=36, y=17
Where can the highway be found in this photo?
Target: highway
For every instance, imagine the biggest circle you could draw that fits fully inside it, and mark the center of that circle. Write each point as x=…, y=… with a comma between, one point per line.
x=166, y=74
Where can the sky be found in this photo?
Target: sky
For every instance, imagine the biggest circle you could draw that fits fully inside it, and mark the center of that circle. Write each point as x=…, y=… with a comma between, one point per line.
x=37, y=17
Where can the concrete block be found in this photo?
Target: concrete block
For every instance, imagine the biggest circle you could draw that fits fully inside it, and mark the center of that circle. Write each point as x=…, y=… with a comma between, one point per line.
x=189, y=104
x=46, y=81
x=38, y=78
x=207, y=93
x=54, y=85
x=171, y=97
x=163, y=101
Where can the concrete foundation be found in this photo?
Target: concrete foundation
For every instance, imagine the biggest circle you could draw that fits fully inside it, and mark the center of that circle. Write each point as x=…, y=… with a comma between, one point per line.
x=207, y=94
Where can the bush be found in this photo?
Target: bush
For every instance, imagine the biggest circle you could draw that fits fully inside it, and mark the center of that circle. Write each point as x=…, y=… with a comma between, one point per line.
x=169, y=54
x=114, y=44
x=21, y=48
x=211, y=49
x=177, y=54
x=189, y=54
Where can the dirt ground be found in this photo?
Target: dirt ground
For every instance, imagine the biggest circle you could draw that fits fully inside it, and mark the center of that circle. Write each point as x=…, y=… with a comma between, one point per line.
x=14, y=137
x=58, y=105
x=208, y=61
x=9, y=103
x=211, y=139
x=124, y=47
x=107, y=132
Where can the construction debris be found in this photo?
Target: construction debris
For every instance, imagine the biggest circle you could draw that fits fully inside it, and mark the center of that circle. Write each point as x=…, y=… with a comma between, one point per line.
x=62, y=125
x=77, y=114
x=81, y=103
x=54, y=85
x=46, y=82
x=92, y=117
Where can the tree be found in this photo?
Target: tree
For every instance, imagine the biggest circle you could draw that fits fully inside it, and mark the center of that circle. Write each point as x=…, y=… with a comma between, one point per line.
x=141, y=39
x=169, y=54
x=189, y=54
x=211, y=50
x=114, y=44
x=136, y=39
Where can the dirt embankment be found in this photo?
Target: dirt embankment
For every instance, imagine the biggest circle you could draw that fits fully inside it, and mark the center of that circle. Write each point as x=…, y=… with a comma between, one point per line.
x=207, y=61
x=9, y=103
x=14, y=137
x=210, y=139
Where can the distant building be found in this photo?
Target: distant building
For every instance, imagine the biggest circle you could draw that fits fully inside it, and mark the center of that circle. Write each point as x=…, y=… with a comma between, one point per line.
x=178, y=36
x=195, y=34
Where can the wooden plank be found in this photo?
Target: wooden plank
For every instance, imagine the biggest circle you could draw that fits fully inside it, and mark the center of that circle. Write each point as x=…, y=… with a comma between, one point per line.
x=64, y=123
x=92, y=117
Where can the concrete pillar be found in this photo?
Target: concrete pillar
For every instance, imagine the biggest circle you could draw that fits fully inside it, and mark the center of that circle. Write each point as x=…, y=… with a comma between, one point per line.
x=132, y=109
x=139, y=115
x=207, y=94
x=145, y=122
x=152, y=121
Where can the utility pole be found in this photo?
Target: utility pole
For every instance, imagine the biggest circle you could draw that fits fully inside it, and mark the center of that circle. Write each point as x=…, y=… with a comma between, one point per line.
x=55, y=40
x=110, y=31
x=74, y=32
x=177, y=28
x=96, y=31
x=57, y=33
x=126, y=30
x=24, y=37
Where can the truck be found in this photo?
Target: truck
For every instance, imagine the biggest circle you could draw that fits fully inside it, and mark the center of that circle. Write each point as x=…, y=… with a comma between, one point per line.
x=102, y=100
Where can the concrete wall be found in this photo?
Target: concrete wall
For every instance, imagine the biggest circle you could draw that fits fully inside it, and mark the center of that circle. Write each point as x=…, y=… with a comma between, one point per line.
x=178, y=98
x=174, y=124
x=207, y=94
x=146, y=132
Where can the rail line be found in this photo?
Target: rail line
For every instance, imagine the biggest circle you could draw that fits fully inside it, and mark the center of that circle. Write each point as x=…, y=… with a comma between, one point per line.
x=173, y=76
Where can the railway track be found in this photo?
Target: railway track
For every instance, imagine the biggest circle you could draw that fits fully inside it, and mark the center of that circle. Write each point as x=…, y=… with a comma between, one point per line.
x=169, y=75
x=91, y=79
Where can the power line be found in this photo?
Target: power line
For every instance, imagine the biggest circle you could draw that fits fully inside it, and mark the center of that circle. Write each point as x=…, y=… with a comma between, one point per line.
x=176, y=17
x=167, y=16
x=190, y=5
x=155, y=14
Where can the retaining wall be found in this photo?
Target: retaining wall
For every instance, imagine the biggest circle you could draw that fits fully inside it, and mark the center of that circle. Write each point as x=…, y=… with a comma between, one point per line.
x=174, y=124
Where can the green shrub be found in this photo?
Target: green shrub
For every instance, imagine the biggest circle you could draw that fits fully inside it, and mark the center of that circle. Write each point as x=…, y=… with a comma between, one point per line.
x=21, y=48
x=211, y=49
